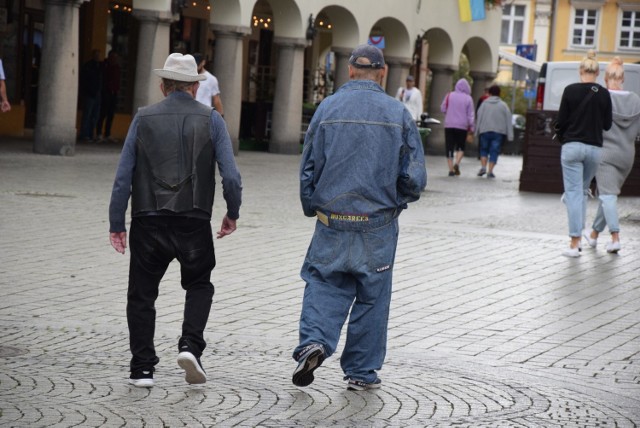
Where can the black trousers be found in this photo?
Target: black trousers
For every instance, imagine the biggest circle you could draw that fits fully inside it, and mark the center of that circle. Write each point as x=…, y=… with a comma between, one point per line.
x=154, y=242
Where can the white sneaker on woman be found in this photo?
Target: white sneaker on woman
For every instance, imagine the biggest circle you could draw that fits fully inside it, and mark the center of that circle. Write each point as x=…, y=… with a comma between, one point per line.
x=593, y=243
x=571, y=252
x=613, y=247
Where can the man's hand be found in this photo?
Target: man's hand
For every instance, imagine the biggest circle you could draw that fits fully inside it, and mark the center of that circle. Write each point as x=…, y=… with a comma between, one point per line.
x=118, y=241
x=227, y=228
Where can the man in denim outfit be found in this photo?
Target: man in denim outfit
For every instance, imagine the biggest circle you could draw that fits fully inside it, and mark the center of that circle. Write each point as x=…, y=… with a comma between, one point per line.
x=362, y=163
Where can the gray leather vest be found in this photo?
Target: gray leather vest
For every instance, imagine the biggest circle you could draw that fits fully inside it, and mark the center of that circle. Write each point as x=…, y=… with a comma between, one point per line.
x=175, y=168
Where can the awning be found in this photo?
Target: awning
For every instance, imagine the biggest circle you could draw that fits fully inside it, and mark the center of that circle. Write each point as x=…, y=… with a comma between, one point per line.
x=521, y=61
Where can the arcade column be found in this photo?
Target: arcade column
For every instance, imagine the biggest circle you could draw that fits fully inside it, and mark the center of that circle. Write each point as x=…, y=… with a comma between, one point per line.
x=287, y=101
x=55, y=131
x=227, y=67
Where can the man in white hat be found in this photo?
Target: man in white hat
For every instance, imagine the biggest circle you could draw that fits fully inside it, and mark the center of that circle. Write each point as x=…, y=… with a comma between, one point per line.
x=168, y=167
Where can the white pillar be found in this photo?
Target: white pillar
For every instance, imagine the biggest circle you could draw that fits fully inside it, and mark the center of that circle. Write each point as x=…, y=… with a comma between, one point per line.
x=55, y=132
x=287, y=101
x=153, y=50
x=441, y=84
x=397, y=72
x=341, y=76
x=227, y=67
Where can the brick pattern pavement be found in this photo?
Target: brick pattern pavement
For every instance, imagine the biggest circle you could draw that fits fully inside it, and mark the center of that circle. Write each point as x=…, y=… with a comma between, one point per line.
x=489, y=326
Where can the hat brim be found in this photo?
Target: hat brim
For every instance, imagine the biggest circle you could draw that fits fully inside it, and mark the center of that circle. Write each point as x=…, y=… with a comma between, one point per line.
x=181, y=77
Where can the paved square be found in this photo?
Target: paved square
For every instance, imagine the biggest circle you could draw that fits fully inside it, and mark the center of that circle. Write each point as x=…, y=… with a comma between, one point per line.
x=490, y=326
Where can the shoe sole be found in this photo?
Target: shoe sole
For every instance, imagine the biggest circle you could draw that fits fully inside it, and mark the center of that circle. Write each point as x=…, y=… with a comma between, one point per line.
x=352, y=387
x=194, y=375
x=303, y=375
x=142, y=383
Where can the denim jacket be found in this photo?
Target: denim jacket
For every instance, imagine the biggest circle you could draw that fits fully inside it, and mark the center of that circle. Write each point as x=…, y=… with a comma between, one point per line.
x=362, y=158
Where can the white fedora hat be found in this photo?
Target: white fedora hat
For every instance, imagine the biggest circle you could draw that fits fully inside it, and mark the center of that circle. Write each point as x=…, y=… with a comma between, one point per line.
x=180, y=67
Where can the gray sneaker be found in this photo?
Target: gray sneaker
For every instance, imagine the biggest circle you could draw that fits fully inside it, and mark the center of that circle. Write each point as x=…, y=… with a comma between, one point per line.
x=358, y=385
x=309, y=359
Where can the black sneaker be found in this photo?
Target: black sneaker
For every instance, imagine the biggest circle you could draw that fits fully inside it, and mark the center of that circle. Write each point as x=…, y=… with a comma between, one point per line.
x=309, y=359
x=194, y=373
x=142, y=378
x=358, y=385
x=452, y=174
x=482, y=172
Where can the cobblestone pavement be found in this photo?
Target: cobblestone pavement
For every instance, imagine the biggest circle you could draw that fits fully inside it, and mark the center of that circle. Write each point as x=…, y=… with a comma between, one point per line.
x=490, y=326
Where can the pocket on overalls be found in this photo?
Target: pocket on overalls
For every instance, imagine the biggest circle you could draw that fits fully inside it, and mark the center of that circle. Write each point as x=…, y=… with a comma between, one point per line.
x=380, y=246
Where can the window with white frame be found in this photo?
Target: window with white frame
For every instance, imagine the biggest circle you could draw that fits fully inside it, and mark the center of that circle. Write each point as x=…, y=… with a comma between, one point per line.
x=585, y=23
x=512, y=24
x=630, y=30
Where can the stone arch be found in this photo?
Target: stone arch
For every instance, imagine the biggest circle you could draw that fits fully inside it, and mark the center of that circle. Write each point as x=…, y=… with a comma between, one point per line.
x=440, y=47
x=287, y=19
x=339, y=40
x=482, y=64
x=227, y=12
x=344, y=31
x=398, y=43
x=398, y=50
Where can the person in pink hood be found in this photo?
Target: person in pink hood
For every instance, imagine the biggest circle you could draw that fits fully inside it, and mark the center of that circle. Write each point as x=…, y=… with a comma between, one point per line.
x=458, y=123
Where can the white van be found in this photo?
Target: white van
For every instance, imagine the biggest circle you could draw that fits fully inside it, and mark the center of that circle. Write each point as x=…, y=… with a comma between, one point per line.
x=555, y=76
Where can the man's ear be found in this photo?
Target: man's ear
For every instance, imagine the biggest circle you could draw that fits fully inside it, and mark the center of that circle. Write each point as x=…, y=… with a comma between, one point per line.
x=352, y=72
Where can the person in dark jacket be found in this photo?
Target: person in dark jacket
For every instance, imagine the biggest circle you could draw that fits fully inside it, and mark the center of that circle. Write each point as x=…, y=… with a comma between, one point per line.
x=90, y=91
x=168, y=167
x=585, y=112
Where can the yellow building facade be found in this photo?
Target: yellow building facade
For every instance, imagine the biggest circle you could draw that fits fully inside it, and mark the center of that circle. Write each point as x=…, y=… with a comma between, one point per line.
x=564, y=30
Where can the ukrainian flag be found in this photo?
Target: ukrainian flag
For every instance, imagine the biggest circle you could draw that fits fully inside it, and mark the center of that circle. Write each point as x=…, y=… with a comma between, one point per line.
x=471, y=10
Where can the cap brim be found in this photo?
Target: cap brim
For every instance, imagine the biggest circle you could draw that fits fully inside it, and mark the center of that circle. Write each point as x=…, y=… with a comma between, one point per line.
x=172, y=75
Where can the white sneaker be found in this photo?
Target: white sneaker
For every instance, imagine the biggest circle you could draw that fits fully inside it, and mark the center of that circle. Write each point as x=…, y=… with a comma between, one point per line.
x=613, y=247
x=194, y=374
x=592, y=242
x=571, y=252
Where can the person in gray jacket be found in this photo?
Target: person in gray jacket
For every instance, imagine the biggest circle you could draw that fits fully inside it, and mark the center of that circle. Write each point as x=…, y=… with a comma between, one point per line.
x=493, y=126
x=168, y=168
x=618, y=154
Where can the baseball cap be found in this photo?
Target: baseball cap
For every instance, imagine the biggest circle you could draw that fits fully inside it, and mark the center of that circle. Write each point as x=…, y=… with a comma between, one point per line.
x=373, y=54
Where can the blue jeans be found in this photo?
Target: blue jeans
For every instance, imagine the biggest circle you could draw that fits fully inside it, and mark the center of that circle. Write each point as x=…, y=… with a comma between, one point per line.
x=349, y=270
x=607, y=214
x=90, y=116
x=579, y=164
x=490, y=143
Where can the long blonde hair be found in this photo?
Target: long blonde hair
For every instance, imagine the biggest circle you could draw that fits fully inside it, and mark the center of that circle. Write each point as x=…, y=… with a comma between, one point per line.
x=614, y=73
x=589, y=63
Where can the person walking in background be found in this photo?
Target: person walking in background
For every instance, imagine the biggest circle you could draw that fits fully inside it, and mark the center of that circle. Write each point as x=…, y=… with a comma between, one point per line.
x=168, y=166
x=483, y=97
x=90, y=90
x=458, y=124
x=4, y=100
x=585, y=112
x=209, y=92
x=360, y=168
x=411, y=97
x=618, y=153
x=110, y=89
x=492, y=127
